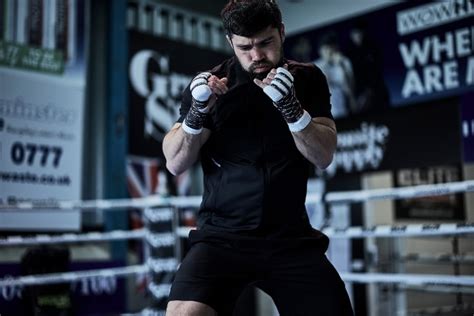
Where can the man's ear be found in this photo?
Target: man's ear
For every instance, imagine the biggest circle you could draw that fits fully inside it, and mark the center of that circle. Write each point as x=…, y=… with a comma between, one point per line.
x=229, y=40
x=282, y=32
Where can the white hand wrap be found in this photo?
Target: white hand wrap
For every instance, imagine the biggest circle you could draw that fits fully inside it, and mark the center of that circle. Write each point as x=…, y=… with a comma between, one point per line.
x=282, y=92
x=200, y=93
x=199, y=88
x=280, y=86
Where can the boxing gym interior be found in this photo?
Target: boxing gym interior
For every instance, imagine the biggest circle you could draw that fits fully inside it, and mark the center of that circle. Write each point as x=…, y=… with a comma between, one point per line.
x=93, y=223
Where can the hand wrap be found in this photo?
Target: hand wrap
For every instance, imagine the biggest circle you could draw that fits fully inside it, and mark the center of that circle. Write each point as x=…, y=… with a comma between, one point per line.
x=200, y=93
x=282, y=92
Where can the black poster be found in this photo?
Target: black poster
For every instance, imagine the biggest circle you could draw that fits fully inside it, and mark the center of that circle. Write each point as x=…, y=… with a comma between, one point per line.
x=442, y=207
x=159, y=70
x=467, y=112
x=406, y=53
x=408, y=137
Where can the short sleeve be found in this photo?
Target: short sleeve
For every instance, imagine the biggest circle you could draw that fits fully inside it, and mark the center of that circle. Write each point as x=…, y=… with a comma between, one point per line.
x=185, y=104
x=314, y=93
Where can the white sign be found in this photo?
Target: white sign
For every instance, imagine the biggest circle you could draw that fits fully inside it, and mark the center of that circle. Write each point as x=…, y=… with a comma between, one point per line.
x=41, y=126
x=432, y=15
x=359, y=149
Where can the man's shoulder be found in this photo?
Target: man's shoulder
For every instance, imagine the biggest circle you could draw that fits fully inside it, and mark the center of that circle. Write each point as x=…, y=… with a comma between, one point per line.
x=223, y=68
x=303, y=68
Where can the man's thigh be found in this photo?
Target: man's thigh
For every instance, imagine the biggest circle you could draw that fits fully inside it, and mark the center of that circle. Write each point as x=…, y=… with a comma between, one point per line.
x=306, y=284
x=189, y=308
x=211, y=275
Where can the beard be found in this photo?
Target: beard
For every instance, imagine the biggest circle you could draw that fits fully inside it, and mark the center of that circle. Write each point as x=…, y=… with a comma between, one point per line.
x=264, y=63
x=260, y=75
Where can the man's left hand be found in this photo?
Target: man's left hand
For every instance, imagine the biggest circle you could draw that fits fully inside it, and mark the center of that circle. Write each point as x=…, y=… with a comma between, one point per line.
x=278, y=83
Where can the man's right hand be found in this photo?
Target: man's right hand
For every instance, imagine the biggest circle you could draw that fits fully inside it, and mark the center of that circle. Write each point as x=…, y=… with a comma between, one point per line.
x=218, y=87
x=206, y=86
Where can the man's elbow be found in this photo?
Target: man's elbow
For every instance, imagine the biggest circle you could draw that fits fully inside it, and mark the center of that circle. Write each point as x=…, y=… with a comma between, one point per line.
x=324, y=163
x=174, y=169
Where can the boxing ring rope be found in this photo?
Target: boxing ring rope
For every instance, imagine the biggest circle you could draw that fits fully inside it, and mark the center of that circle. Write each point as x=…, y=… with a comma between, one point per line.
x=413, y=230
x=54, y=278
x=443, y=257
x=157, y=209
x=72, y=238
x=409, y=279
x=400, y=193
x=107, y=205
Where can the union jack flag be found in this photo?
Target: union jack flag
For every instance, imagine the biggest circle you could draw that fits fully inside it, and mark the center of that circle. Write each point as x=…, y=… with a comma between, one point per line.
x=142, y=176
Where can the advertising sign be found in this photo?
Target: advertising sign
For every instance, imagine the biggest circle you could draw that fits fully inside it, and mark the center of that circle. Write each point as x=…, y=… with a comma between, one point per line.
x=159, y=71
x=442, y=207
x=467, y=117
x=411, y=52
x=42, y=93
x=425, y=135
x=108, y=289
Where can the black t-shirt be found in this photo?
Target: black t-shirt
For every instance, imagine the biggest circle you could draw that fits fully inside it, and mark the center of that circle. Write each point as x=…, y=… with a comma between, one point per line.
x=254, y=176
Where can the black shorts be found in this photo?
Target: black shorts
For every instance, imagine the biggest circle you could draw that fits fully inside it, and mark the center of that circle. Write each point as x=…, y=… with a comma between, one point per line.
x=300, y=279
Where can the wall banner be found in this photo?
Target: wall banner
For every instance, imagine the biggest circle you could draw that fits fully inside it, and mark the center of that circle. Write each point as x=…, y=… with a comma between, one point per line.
x=426, y=135
x=467, y=117
x=443, y=207
x=109, y=290
x=411, y=52
x=159, y=70
x=42, y=93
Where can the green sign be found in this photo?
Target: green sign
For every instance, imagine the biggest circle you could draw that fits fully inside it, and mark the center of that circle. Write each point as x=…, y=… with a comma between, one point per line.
x=31, y=58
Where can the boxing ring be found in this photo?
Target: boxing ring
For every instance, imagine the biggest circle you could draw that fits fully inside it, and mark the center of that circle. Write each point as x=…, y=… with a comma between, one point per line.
x=161, y=241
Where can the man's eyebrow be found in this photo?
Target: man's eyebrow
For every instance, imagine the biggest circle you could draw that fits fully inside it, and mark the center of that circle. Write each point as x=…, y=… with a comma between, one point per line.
x=267, y=39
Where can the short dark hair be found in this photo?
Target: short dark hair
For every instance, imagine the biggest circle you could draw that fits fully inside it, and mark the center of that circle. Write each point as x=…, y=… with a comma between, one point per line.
x=330, y=39
x=248, y=17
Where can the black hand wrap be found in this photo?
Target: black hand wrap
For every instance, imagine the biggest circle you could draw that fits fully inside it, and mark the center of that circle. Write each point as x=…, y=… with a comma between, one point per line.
x=290, y=107
x=197, y=114
x=282, y=92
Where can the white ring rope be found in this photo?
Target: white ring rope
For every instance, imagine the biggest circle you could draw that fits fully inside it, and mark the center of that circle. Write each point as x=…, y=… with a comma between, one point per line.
x=72, y=238
x=412, y=230
x=384, y=230
x=409, y=279
x=401, y=193
x=108, y=205
x=167, y=239
x=194, y=201
x=438, y=288
x=54, y=278
x=441, y=258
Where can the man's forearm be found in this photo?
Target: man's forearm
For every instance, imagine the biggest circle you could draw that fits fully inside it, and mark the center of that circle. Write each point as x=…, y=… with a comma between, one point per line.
x=181, y=149
x=317, y=142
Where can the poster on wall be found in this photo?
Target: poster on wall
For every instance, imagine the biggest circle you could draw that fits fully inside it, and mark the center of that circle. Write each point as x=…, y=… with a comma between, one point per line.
x=411, y=52
x=443, y=207
x=42, y=95
x=408, y=137
x=467, y=117
x=159, y=71
x=109, y=290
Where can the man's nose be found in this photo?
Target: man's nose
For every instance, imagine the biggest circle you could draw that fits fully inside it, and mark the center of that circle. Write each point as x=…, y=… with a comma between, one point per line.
x=256, y=54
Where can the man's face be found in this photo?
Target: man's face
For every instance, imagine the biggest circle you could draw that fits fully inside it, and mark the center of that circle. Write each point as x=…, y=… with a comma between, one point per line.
x=260, y=53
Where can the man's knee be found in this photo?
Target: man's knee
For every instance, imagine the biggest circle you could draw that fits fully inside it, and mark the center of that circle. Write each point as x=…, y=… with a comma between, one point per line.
x=189, y=308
